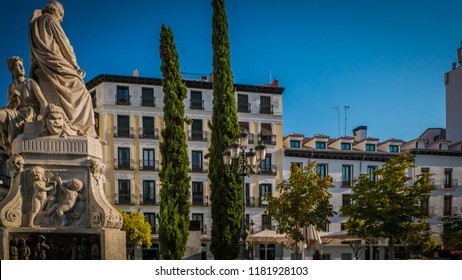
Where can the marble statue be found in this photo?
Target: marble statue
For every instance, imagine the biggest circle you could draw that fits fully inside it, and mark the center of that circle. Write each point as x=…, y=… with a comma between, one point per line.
x=24, y=250
x=41, y=248
x=14, y=250
x=54, y=66
x=56, y=122
x=25, y=102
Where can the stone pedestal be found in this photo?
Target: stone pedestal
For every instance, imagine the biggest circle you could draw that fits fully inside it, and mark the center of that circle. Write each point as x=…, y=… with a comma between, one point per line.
x=72, y=213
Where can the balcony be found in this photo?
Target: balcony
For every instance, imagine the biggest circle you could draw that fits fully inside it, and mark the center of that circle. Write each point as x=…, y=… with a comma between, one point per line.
x=451, y=185
x=267, y=170
x=267, y=139
x=123, y=164
x=148, y=101
x=243, y=107
x=266, y=226
x=196, y=104
x=122, y=99
x=149, y=133
x=197, y=135
x=266, y=109
x=453, y=211
x=347, y=183
x=124, y=199
x=198, y=167
x=123, y=132
x=150, y=199
x=262, y=202
x=250, y=201
x=200, y=200
x=149, y=165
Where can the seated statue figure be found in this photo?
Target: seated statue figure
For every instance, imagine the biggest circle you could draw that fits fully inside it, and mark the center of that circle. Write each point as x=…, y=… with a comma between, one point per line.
x=25, y=103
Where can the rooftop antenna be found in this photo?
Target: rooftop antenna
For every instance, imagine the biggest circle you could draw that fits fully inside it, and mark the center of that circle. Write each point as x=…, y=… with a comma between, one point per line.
x=338, y=119
x=271, y=76
x=346, y=107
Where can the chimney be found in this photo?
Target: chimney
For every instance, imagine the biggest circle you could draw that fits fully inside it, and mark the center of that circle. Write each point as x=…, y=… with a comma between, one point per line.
x=360, y=133
x=211, y=77
x=136, y=73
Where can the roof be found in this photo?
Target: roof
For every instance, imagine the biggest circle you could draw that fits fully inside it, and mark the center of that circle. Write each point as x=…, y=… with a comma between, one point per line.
x=189, y=83
x=338, y=154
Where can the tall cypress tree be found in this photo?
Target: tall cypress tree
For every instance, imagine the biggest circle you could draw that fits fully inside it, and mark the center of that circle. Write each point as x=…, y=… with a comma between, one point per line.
x=174, y=204
x=225, y=184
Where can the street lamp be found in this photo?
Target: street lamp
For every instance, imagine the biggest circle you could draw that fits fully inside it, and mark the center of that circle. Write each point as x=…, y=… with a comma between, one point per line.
x=244, y=164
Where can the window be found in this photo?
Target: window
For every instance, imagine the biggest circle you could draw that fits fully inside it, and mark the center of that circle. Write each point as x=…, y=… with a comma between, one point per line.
x=263, y=189
x=122, y=96
x=346, y=175
x=444, y=147
x=343, y=226
x=370, y=147
x=198, y=218
x=265, y=105
x=123, y=126
x=420, y=145
x=124, y=192
x=266, y=135
x=322, y=169
x=265, y=221
x=346, y=199
x=393, y=148
x=266, y=167
x=447, y=205
x=196, y=100
x=424, y=206
x=320, y=145
x=424, y=170
x=448, y=178
x=196, y=130
x=299, y=164
x=149, y=192
x=243, y=104
x=249, y=200
x=346, y=146
x=198, y=193
x=147, y=97
x=151, y=219
x=148, y=159
x=196, y=163
x=294, y=144
x=149, y=130
x=370, y=172
x=123, y=161
x=436, y=138
x=326, y=226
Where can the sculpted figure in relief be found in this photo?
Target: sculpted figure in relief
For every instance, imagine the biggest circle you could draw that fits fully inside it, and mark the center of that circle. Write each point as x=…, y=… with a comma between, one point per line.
x=54, y=66
x=40, y=188
x=25, y=102
x=56, y=122
x=69, y=194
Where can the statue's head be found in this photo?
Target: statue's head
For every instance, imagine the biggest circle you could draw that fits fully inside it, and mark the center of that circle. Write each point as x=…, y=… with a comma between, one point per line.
x=54, y=8
x=76, y=185
x=15, y=65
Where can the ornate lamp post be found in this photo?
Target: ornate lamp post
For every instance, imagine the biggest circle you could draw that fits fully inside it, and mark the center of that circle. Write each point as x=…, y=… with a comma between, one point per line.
x=244, y=164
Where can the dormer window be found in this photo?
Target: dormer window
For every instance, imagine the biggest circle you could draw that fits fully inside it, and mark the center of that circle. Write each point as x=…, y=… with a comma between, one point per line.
x=444, y=147
x=346, y=146
x=420, y=145
x=294, y=144
x=394, y=149
x=370, y=147
x=321, y=145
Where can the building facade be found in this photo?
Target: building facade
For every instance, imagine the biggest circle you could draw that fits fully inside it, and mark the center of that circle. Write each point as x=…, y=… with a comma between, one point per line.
x=129, y=120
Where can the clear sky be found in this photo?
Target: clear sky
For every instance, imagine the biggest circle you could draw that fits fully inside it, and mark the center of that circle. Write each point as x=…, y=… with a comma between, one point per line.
x=385, y=59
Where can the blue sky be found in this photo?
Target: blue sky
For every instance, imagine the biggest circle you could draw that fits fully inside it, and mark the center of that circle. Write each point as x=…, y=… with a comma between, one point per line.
x=385, y=59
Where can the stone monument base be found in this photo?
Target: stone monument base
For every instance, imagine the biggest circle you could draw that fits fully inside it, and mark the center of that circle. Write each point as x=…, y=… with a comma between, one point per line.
x=65, y=244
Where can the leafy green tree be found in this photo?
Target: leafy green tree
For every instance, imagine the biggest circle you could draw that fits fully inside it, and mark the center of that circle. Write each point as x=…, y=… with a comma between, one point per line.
x=389, y=205
x=452, y=233
x=225, y=185
x=137, y=229
x=175, y=192
x=303, y=201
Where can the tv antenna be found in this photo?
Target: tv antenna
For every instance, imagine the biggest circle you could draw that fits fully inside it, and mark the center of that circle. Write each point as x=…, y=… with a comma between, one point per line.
x=346, y=107
x=338, y=119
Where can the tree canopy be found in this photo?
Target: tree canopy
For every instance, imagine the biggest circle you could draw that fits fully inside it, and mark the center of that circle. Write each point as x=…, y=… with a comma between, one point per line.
x=175, y=192
x=137, y=229
x=388, y=205
x=303, y=201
